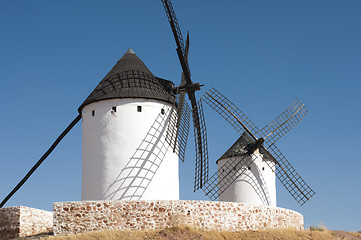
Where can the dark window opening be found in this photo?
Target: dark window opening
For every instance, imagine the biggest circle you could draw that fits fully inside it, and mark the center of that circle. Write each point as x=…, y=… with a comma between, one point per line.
x=162, y=111
x=263, y=168
x=114, y=109
x=93, y=113
x=139, y=108
x=249, y=168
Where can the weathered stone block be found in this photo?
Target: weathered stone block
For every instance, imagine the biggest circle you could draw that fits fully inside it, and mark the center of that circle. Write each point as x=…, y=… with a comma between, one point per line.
x=23, y=221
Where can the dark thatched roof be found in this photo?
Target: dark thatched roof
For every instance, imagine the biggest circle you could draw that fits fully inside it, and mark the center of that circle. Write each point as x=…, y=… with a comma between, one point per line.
x=240, y=148
x=130, y=78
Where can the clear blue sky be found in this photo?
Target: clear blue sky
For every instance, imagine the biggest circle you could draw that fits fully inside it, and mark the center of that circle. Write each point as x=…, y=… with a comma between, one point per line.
x=260, y=54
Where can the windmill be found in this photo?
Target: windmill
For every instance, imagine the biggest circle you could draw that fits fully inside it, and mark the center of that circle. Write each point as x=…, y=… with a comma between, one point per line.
x=162, y=131
x=246, y=160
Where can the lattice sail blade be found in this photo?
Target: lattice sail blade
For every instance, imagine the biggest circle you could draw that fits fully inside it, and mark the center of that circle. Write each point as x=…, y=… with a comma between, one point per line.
x=228, y=111
x=183, y=79
x=226, y=175
x=289, y=177
x=181, y=99
x=182, y=117
x=284, y=122
x=183, y=130
x=183, y=113
x=201, y=146
x=170, y=136
x=168, y=7
x=178, y=127
x=181, y=49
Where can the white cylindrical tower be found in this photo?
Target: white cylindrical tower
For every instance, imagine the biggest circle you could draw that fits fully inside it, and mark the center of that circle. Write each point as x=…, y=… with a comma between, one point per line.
x=257, y=182
x=125, y=123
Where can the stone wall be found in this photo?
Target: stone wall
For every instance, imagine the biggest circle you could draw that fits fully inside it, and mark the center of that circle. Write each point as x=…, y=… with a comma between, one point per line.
x=78, y=217
x=9, y=222
x=23, y=221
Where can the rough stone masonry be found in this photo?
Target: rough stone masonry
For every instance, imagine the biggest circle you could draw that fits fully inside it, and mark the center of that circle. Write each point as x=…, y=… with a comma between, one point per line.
x=77, y=217
x=23, y=221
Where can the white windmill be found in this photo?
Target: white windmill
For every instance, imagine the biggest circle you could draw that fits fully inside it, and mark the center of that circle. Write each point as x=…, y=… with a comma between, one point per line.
x=248, y=169
x=124, y=127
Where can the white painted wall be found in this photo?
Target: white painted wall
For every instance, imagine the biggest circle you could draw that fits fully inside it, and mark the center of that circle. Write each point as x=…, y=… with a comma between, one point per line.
x=125, y=155
x=256, y=186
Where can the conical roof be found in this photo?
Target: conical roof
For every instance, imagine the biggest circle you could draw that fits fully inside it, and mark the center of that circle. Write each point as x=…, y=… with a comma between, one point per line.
x=240, y=148
x=130, y=78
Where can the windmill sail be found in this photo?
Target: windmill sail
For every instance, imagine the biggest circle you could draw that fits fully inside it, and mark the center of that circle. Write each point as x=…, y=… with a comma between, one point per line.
x=230, y=112
x=289, y=177
x=201, y=146
x=201, y=174
x=284, y=122
x=178, y=128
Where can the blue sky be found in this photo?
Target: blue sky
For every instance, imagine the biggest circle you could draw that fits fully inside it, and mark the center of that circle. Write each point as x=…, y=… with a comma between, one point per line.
x=260, y=54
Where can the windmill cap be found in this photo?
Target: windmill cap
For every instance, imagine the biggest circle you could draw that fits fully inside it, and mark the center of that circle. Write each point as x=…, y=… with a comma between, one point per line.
x=130, y=78
x=130, y=51
x=239, y=148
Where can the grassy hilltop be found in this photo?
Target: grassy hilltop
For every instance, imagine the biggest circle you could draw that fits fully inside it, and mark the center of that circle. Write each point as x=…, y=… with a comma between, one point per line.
x=183, y=233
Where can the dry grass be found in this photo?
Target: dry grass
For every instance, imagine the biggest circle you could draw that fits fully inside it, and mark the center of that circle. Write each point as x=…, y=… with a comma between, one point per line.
x=185, y=233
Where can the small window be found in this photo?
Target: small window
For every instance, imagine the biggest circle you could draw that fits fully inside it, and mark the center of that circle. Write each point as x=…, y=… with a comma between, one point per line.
x=263, y=168
x=249, y=168
x=139, y=108
x=93, y=113
x=114, y=109
x=162, y=111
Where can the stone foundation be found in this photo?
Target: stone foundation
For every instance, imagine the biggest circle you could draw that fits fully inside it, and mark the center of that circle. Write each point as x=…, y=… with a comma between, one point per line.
x=23, y=221
x=77, y=217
